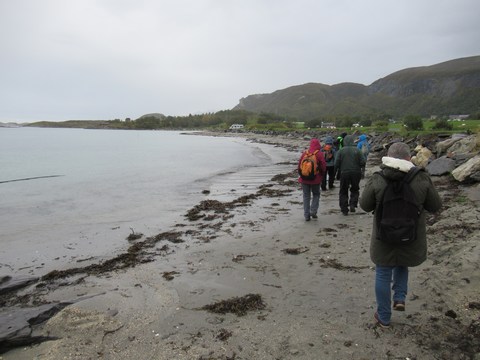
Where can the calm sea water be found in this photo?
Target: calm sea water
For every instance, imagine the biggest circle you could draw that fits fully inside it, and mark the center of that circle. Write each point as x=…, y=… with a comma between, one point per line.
x=87, y=189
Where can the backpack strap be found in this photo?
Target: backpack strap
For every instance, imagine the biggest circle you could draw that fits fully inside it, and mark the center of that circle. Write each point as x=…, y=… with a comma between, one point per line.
x=411, y=174
x=381, y=174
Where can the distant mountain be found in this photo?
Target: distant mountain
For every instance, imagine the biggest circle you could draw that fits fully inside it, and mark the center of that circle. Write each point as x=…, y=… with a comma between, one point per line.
x=10, y=125
x=153, y=115
x=451, y=87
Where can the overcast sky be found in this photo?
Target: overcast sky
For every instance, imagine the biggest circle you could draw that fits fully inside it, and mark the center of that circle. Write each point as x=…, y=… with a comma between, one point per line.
x=107, y=59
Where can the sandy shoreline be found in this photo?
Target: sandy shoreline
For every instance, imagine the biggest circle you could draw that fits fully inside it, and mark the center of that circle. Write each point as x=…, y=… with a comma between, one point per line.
x=315, y=280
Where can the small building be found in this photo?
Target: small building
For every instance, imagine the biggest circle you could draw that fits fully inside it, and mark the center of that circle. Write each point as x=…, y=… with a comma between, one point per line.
x=236, y=126
x=458, y=117
x=327, y=125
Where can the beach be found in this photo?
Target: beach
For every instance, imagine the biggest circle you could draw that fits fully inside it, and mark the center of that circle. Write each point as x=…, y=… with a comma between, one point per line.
x=250, y=279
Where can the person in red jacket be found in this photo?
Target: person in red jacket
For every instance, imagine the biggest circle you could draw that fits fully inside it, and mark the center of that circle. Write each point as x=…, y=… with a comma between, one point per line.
x=311, y=188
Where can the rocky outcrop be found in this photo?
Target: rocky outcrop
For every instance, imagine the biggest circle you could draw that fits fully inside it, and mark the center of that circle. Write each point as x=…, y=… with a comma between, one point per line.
x=457, y=155
x=17, y=324
x=470, y=171
x=442, y=146
x=463, y=146
x=20, y=315
x=9, y=283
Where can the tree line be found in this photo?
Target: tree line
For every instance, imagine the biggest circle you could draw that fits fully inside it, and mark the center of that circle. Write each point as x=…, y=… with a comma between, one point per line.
x=260, y=121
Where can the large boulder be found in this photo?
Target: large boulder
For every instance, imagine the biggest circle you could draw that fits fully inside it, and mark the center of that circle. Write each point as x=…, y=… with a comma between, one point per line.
x=463, y=146
x=423, y=156
x=443, y=146
x=441, y=166
x=461, y=159
x=470, y=171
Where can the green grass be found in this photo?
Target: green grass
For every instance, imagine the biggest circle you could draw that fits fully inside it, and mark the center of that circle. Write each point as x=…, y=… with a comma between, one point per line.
x=458, y=127
x=461, y=199
x=472, y=125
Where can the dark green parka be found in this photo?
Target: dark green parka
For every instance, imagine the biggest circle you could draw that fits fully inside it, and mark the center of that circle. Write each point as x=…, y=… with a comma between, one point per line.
x=427, y=196
x=349, y=159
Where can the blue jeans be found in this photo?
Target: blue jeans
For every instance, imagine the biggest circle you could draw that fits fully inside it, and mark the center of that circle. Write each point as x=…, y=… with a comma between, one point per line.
x=311, y=199
x=383, y=279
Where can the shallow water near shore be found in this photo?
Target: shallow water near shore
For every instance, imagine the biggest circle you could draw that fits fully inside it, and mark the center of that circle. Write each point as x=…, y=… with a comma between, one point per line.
x=72, y=194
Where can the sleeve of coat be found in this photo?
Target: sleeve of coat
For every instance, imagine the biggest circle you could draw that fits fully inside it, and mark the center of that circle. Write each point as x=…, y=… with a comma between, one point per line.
x=338, y=160
x=368, y=201
x=432, y=202
x=321, y=162
x=363, y=162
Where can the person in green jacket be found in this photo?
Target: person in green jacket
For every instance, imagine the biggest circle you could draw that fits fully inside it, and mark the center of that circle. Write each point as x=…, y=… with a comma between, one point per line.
x=338, y=144
x=392, y=261
x=349, y=162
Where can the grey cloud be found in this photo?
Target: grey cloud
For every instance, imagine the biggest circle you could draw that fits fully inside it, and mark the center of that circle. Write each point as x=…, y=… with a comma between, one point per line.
x=114, y=59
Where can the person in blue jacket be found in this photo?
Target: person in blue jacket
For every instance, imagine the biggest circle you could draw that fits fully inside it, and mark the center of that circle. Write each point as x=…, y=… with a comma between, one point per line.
x=364, y=147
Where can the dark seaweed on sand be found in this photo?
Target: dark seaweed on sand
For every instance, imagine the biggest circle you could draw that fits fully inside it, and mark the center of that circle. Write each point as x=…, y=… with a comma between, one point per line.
x=295, y=251
x=223, y=334
x=334, y=263
x=135, y=254
x=237, y=305
x=170, y=275
x=218, y=207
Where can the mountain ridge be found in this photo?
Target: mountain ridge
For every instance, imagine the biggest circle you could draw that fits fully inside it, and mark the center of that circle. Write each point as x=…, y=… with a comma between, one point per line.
x=450, y=87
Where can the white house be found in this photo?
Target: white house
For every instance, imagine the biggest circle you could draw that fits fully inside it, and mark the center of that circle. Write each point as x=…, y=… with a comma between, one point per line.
x=326, y=125
x=236, y=126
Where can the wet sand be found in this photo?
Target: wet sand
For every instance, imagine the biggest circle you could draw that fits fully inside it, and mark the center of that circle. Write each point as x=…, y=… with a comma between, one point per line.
x=314, y=279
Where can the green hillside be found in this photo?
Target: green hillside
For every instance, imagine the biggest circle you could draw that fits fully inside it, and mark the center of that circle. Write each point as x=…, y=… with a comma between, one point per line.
x=452, y=87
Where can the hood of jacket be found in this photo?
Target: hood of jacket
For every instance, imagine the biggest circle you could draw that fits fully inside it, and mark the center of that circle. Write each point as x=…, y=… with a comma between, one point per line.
x=362, y=137
x=314, y=145
x=349, y=140
x=329, y=140
x=394, y=168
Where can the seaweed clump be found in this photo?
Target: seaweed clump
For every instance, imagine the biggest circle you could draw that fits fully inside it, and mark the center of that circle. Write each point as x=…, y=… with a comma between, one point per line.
x=237, y=305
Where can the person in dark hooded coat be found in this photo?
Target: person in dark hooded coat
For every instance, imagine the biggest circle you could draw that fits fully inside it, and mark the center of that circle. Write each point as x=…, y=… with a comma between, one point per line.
x=349, y=162
x=338, y=144
x=392, y=260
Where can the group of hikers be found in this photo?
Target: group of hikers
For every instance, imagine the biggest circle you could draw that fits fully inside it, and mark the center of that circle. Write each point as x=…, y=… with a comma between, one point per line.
x=338, y=159
x=398, y=195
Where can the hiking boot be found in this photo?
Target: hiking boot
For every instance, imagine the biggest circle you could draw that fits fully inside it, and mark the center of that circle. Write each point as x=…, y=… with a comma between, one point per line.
x=352, y=209
x=399, y=305
x=345, y=212
x=307, y=218
x=324, y=189
x=380, y=323
x=314, y=216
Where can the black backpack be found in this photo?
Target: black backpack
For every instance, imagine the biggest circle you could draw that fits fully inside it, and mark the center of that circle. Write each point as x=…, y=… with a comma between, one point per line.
x=398, y=211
